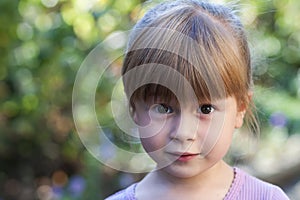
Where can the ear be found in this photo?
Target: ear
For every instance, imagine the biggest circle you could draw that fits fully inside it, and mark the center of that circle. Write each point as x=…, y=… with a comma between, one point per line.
x=242, y=109
x=133, y=114
x=134, y=117
x=239, y=120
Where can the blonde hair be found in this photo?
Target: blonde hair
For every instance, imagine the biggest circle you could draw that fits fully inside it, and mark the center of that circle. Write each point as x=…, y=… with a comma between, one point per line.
x=205, y=43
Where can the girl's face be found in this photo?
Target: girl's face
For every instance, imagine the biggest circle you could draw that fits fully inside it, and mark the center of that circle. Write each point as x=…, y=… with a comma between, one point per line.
x=186, y=140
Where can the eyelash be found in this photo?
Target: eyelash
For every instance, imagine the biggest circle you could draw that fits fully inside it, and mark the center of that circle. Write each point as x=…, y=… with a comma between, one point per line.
x=166, y=109
x=205, y=109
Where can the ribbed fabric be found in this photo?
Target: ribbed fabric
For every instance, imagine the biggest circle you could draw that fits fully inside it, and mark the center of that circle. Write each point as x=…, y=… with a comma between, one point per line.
x=243, y=187
x=246, y=187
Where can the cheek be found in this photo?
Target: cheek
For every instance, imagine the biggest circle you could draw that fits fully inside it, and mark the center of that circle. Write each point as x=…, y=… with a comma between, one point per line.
x=218, y=135
x=153, y=137
x=142, y=119
x=151, y=130
x=152, y=144
x=223, y=144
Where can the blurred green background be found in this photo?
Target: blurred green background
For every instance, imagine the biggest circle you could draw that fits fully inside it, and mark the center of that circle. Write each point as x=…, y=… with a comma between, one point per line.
x=44, y=42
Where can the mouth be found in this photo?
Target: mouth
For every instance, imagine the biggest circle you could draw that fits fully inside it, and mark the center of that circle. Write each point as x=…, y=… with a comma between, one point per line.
x=185, y=157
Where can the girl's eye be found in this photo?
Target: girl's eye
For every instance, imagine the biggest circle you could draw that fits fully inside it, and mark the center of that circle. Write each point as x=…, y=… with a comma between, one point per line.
x=206, y=109
x=163, y=109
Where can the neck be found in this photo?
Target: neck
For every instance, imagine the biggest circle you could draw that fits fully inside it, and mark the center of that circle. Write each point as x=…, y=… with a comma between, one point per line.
x=206, y=179
x=212, y=183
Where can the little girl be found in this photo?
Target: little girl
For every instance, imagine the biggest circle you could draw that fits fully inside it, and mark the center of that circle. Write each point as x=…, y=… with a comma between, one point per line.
x=187, y=75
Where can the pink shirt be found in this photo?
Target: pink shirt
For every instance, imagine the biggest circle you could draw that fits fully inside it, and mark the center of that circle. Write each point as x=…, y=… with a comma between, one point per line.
x=244, y=187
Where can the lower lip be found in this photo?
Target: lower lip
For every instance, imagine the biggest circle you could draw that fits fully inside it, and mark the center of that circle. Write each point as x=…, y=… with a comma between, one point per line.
x=186, y=158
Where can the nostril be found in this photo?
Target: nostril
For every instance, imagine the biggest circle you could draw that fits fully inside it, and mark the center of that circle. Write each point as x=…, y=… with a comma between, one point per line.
x=183, y=137
x=191, y=139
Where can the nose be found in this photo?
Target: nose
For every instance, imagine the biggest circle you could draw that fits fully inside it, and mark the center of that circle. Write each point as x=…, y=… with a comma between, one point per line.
x=185, y=128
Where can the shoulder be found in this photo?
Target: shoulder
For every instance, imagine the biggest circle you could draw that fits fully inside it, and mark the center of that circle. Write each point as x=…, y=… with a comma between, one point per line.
x=125, y=194
x=250, y=187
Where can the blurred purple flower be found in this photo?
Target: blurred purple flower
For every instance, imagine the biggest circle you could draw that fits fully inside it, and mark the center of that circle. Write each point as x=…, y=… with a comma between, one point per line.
x=278, y=119
x=57, y=191
x=77, y=185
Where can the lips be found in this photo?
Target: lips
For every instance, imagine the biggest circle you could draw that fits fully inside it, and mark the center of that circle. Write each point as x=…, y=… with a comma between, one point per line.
x=186, y=156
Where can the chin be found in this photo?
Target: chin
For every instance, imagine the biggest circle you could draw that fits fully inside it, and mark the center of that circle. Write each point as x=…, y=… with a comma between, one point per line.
x=183, y=172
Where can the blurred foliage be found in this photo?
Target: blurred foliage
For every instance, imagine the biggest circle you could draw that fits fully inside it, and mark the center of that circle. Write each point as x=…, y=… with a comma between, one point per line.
x=42, y=45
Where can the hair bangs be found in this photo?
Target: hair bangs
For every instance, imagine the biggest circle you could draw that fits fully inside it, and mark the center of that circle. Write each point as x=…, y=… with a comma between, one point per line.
x=163, y=75
x=200, y=61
